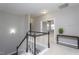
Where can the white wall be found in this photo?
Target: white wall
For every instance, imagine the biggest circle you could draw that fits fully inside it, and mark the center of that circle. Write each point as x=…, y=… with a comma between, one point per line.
x=8, y=42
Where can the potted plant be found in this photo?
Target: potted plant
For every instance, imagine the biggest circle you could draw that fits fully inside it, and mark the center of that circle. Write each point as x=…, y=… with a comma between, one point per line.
x=60, y=30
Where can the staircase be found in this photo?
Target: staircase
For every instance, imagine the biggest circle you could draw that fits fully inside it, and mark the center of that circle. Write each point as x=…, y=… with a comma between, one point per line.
x=31, y=49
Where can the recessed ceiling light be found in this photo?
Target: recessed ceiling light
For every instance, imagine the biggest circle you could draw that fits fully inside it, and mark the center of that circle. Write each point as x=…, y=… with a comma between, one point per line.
x=44, y=12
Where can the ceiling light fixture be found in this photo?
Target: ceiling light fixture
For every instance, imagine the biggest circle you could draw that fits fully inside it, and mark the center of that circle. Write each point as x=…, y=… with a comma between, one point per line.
x=44, y=12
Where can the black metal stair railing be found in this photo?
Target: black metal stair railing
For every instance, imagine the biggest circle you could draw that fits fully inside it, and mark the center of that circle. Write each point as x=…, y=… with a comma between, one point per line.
x=33, y=50
x=21, y=43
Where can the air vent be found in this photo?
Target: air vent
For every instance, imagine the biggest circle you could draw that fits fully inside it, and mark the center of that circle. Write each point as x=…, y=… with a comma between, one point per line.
x=63, y=5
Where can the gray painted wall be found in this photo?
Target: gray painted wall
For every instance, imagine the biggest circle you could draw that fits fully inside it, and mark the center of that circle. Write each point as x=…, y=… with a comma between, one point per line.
x=9, y=42
x=68, y=18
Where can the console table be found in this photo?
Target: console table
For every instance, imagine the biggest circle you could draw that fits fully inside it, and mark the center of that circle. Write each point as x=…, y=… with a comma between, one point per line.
x=68, y=36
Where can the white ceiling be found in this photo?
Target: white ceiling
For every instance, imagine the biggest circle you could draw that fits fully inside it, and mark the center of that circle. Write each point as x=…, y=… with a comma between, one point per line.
x=28, y=8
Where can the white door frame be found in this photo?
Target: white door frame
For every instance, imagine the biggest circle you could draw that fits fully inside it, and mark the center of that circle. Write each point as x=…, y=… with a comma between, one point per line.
x=54, y=26
x=41, y=23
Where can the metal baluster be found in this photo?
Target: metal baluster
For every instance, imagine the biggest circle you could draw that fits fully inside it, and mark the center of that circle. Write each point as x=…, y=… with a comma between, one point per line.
x=34, y=44
x=49, y=22
x=27, y=43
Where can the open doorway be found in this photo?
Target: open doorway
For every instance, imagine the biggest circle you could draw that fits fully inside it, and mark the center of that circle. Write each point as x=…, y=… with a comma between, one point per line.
x=46, y=26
